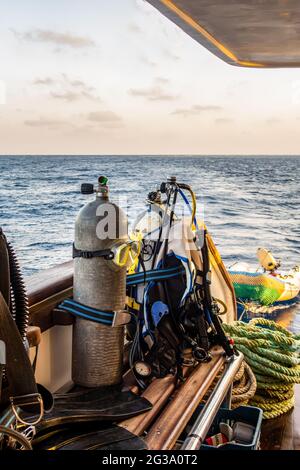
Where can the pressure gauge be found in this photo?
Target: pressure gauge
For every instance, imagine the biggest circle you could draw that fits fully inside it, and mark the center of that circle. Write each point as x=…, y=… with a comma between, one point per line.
x=143, y=369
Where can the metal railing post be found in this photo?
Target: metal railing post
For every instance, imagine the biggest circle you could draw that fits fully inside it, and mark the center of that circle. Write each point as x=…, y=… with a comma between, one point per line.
x=205, y=418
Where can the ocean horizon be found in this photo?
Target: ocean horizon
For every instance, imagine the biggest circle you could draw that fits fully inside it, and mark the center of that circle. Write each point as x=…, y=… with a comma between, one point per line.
x=246, y=201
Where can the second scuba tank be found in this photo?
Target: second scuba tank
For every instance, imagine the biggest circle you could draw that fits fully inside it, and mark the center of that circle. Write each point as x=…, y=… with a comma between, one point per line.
x=266, y=259
x=99, y=284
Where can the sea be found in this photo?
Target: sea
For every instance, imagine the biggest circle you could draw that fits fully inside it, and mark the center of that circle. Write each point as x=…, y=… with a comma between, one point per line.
x=246, y=202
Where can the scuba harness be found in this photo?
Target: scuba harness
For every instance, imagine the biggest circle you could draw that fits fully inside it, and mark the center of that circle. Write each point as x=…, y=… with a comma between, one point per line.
x=176, y=319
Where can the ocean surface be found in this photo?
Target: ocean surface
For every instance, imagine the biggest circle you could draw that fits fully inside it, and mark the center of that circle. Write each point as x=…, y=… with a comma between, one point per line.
x=246, y=202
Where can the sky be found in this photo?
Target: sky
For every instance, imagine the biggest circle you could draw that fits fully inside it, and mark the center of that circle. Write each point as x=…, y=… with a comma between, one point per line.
x=116, y=77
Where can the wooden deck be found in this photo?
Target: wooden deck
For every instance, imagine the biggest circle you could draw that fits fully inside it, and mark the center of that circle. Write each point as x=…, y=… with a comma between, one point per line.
x=47, y=288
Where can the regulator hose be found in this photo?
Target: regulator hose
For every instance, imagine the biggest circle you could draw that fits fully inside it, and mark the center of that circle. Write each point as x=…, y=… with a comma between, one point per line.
x=272, y=352
x=18, y=299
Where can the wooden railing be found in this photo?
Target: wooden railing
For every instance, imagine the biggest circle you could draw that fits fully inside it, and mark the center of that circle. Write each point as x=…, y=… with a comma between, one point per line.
x=45, y=290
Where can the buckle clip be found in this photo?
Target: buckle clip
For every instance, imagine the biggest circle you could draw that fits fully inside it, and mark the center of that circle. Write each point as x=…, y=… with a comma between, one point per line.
x=27, y=400
x=121, y=317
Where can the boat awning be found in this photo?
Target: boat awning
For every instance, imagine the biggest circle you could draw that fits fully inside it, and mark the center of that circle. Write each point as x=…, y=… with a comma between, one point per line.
x=247, y=33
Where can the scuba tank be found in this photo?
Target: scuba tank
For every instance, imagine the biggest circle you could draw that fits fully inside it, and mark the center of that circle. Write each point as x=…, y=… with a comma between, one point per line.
x=100, y=284
x=267, y=260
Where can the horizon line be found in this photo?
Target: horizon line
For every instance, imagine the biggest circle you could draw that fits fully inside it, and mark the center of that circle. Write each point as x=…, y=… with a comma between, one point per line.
x=133, y=155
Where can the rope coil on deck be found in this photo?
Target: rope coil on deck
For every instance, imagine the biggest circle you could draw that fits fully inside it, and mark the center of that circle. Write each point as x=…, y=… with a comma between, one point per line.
x=272, y=353
x=244, y=386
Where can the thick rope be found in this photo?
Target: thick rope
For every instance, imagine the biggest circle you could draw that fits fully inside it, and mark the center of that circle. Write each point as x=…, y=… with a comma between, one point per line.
x=272, y=353
x=244, y=386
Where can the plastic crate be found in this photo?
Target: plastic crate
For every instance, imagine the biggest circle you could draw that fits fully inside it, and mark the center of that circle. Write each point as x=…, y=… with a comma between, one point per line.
x=247, y=414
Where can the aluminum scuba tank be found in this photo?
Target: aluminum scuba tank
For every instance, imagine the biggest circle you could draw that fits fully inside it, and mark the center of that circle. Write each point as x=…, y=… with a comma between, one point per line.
x=266, y=259
x=97, y=357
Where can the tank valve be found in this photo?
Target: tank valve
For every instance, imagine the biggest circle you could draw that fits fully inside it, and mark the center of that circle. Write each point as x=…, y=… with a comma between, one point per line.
x=88, y=188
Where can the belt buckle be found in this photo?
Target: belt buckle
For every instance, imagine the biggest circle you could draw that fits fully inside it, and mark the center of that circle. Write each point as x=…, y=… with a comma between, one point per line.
x=22, y=400
x=121, y=317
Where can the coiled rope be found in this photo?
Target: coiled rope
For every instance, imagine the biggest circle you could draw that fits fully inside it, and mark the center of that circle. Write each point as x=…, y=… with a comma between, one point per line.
x=244, y=386
x=272, y=352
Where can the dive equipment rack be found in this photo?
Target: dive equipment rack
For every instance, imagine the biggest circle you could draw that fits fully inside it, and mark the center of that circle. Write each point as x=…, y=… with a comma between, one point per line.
x=148, y=404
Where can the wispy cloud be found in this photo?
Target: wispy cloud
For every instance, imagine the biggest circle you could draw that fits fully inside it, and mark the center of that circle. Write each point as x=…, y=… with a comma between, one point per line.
x=92, y=121
x=68, y=96
x=51, y=123
x=44, y=81
x=55, y=37
x=145, y=60
x=103, y=116
x=134, y=28
x=170, y=55
x=154, y=93
x=196, y=110
x=221, y=121
x=273, y=120
x=106, y=118
x=67, y=89
x=162, y=80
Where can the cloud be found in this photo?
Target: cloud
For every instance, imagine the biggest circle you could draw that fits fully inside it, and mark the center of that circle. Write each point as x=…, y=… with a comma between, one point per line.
x=53, y=37
x=71, y=96
x=44, y=81
x=196, y=110
x=162, y=80
x=170, y=55
x=92, y=121
x=102, y=116
x=154, y=93
x=272, y=121
x=223, y=121
x=105, y=118
x=67, y=89
x=134, y=28
x=68, y=96
x=147, y=61
x=47, y=122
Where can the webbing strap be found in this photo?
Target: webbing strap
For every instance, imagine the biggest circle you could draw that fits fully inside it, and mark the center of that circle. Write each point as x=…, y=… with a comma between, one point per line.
x=107, y=254
x=89, y=313
x=154, y=275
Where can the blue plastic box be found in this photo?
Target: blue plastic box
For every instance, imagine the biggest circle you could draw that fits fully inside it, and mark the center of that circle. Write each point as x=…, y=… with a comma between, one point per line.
x=247, y=414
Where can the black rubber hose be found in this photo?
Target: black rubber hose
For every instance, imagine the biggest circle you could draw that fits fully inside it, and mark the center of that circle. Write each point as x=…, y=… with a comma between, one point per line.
x=19, y=299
